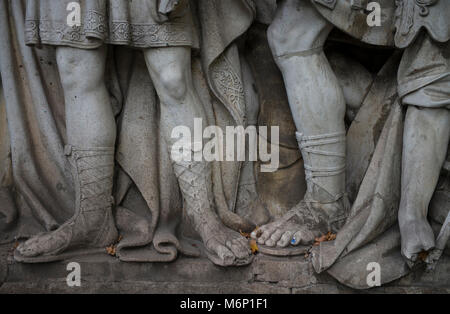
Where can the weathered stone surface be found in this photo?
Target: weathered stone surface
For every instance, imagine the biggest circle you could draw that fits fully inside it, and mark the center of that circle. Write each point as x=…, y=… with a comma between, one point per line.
x=287, y=272
x=145, y=288
x=267, y=275
x=358, y=140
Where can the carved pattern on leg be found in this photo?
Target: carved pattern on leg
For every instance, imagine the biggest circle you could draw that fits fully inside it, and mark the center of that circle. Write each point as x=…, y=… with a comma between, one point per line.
x=92, y=227
x=224, y=247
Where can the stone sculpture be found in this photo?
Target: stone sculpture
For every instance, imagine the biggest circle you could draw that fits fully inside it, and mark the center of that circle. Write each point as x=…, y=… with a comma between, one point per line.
x=425, y=67
x=318, y=106
x=166, y=39
x=92, y=100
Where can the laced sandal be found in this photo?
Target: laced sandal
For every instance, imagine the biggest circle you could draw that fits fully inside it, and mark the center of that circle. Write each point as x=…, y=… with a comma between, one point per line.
x=92, y=227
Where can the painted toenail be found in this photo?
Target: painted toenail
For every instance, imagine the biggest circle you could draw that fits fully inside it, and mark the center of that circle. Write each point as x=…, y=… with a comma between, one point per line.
x=293, y=240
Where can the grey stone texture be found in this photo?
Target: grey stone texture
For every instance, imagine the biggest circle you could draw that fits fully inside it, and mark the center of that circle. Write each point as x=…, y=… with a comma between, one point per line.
x=87, y=120
x=266, y=275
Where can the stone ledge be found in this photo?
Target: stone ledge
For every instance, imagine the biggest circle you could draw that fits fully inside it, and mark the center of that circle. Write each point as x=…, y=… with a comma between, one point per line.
x=106, y=274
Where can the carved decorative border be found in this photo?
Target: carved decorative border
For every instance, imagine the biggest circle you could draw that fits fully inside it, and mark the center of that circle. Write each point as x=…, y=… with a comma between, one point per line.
x=424, y=4
x=95, y=26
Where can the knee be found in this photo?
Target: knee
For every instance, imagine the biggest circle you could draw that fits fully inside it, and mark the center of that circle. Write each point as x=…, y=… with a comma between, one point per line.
x=297, y=27
x=78, y=76
x=173, y=85
x=305, y=39
x=275, y=37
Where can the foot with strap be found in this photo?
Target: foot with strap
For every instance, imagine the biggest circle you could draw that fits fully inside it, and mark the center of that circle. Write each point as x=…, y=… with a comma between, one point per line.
x=325, y=206
x=91, y=229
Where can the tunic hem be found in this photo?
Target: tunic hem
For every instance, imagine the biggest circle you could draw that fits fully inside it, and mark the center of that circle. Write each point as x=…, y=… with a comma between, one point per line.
x=119, y=33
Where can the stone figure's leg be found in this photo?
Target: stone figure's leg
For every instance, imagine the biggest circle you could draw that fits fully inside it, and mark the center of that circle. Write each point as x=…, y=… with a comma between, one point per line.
x=170, y=70
x=91, y=133
x=296, y=38
x=425, y=139
x=89, y=117
x=248, y=203
x=425, y=142
x=354, y=79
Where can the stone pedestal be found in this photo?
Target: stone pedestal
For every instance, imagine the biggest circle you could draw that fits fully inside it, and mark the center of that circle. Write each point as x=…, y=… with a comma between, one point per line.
x=106, y=274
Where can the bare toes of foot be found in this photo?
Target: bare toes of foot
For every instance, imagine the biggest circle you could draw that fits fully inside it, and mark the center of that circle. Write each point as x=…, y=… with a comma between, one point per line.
x=26, y=250
x=238, y=249
x=265, y=236
x=285, y=239
x=225, y=255
x=297, y=238
x=34, y=246
x=256, y=234
x=274, y=238
x=243, y=243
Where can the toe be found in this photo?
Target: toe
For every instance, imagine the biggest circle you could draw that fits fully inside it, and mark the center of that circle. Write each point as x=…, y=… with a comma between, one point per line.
x=225, y=255
x=285, y=239
x=244, y=245
x=30, y=248
x=296, y=238
x=24, y=249
x=264, y=236
x=302, y=237
x=239, y=251
x=270, y=243
x=276, y=236
x=257, y=233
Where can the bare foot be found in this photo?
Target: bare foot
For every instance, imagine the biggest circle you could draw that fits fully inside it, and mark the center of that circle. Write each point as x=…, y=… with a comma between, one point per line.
x=287, y=230
x=301, y=225
x=230, y=247
x=225, y=247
